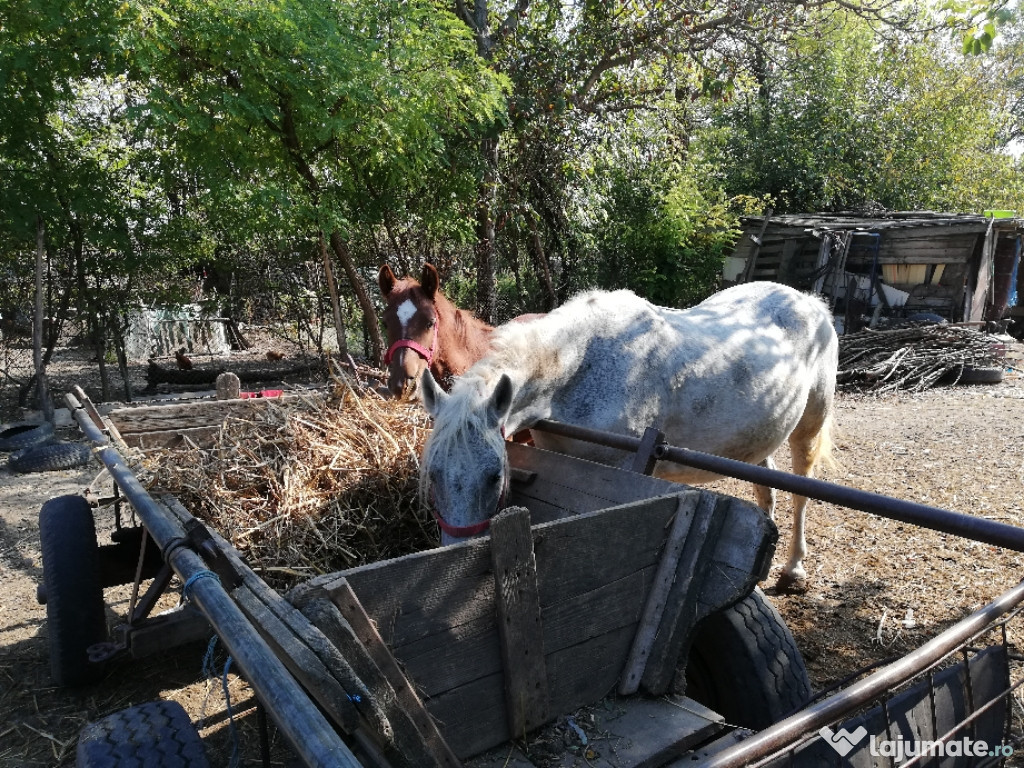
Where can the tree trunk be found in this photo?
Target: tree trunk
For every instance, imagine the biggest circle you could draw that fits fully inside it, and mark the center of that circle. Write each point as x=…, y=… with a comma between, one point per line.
x=543, y=268
x=339, y=320
x=42, y=386
x=486, y=257
x=340, y=248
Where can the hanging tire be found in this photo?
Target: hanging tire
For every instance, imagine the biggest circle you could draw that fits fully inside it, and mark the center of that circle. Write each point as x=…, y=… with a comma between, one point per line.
x=744, y=664
x=49, y=457
x=157, y=734
x=25, y=435
x=75, y=616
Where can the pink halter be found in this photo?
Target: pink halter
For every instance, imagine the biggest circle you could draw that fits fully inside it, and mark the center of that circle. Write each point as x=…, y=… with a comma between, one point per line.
x=426, y=354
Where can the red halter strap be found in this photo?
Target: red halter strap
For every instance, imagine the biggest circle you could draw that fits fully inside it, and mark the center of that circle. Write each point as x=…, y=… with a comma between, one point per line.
x=426, y=354
x=465, y=531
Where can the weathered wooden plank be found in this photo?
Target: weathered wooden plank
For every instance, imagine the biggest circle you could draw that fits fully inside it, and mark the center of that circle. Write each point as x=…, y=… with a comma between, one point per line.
x=419, y=594
x=605, y=546
x=519, y=623
x=366, y=631
x=172, y=438
x=168, y=630
x=589, y=671
x=436, y=670
x=154, y=418
x=625, y=733
x=580, y=486
x=680, y=614
x=406, y=743
x=654, y=731
x=472, y=716
x=654, y=608
x=301, y=662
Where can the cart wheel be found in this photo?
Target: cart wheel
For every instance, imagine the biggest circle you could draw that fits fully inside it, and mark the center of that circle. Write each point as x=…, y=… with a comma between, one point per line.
x=157, y=734
x=74, y=598
x=745, y=665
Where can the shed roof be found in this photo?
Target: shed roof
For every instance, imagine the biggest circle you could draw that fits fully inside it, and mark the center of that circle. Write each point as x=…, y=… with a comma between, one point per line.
x=872, y=221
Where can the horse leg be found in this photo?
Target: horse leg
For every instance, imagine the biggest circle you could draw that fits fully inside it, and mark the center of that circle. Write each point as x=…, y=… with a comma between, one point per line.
x=764, y=494
x=807, y=446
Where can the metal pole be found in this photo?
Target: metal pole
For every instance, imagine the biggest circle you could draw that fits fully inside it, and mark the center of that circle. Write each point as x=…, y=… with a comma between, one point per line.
x=935, y=518
x=305, y=727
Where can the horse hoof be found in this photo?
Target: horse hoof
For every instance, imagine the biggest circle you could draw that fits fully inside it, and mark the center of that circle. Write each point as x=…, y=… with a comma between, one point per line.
x=791, y=585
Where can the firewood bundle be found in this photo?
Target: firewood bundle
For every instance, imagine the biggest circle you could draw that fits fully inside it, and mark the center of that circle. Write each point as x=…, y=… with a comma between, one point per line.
x=915, y=358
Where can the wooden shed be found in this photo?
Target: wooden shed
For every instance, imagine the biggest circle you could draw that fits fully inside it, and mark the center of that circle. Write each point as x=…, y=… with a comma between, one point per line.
x=962, y=267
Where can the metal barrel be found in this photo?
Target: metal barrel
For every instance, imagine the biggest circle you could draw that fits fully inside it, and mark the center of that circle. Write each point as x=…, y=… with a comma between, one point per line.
x=306, y=729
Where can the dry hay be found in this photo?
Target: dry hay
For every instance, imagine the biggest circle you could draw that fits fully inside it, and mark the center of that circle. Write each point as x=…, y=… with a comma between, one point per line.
x=311, y=487
x=914, y=358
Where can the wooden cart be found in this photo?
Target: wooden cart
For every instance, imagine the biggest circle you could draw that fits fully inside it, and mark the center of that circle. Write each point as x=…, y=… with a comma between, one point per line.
x=593, y=582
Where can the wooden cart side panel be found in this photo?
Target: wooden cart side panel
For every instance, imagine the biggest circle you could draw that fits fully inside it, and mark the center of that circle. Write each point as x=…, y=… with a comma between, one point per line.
x=561, y=485
x=436, y=609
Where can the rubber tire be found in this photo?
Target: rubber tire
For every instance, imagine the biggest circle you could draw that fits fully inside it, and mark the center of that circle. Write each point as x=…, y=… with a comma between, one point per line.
x=983, y=375
x=74, y=598
x=744, y=664
x=49, y=457
x=157, y=734
x=25, y=435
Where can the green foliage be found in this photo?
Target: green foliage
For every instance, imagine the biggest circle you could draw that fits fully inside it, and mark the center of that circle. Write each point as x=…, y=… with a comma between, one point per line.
x=665, y=235
x=850, y=121
x=343, y=114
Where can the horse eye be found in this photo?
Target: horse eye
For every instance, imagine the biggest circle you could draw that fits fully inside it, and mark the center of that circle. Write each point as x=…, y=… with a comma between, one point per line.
x=495, y=478
x=431, y=322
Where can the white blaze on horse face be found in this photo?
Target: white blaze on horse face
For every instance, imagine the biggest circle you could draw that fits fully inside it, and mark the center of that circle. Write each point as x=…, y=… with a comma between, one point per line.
x=405, y=312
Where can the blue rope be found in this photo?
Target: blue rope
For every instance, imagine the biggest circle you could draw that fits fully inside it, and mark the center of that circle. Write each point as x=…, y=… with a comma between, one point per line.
x=208, y=670
x=233, y=762
x=194, y=578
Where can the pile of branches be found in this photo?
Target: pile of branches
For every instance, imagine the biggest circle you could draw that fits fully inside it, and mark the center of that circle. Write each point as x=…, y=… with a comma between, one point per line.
x=310, y=487
x=913, y=358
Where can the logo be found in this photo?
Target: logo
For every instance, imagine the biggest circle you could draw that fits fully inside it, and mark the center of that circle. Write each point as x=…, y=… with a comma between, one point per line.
x=844, y=741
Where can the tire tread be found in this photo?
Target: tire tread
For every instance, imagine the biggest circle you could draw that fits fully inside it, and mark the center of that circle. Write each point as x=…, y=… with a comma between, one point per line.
x=157, y=734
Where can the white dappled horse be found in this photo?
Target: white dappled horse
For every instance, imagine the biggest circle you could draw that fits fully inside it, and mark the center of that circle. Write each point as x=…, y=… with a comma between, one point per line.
x=734, y=376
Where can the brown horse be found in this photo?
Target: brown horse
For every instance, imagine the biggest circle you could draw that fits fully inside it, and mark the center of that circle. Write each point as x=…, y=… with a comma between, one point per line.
x=425, y=329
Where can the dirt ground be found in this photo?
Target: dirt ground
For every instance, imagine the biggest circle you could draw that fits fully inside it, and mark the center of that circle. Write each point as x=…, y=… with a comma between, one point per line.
x=877, y=588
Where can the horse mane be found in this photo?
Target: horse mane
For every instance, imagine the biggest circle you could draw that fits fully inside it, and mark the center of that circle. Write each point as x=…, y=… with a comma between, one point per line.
x=538, y=347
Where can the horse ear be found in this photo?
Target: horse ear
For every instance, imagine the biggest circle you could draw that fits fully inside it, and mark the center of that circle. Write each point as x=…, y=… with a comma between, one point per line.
x=429, y=280
x=386, y=280
x=501, y=399
x=431, y=393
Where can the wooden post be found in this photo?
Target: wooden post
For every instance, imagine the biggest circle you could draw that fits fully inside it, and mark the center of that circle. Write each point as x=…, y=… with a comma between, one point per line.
x=654, y=608
x=519, y=624
x=681, y=611
x=352, y=610
x=644, y=461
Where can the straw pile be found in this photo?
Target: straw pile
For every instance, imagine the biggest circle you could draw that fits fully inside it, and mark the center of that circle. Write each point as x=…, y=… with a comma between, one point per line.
x=310, y=488
x=914, y=358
